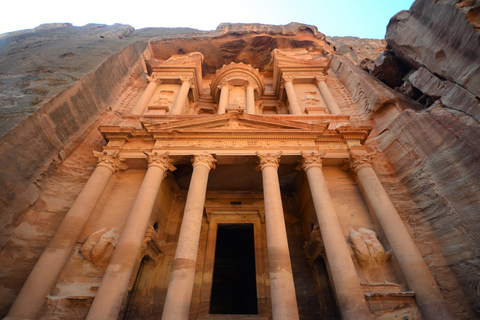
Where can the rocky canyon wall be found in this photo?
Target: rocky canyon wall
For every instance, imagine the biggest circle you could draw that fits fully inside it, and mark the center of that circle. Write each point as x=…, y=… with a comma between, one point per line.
x=429, y=133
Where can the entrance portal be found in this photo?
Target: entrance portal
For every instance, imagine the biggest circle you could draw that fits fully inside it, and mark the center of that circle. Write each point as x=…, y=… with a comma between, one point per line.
x=234, y=281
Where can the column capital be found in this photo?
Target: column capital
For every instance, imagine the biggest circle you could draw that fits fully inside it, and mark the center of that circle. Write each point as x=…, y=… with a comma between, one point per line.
x=288, y=78
x=157, y=80
x=110, y=160
x=310, y=160
x=320, y=78
x=252, y=84
x=162, y=161
x=268, y=160
x=223, y=83
x=186, y=79
x=205, y=159
x=358, y=161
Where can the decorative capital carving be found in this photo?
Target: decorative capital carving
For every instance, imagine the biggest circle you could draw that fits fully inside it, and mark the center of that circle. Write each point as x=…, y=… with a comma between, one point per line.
x=223, y=83
x=268, y=160
x=206, y=160
x=186, y=79
x=110, y=160
x=162, y=161
x=252, y=84
x=288, y=78
x=359, y=161
x=320, y=78
x=310, y=160
x=157, y=80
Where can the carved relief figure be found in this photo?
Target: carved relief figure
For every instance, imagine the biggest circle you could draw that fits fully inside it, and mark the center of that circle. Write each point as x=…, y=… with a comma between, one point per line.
x=165, y=98
x=310, y=98
x=99, y=246
x=367, y=249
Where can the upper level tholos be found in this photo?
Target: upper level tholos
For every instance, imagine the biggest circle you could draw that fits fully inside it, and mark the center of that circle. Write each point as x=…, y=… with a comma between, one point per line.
x=293, y=83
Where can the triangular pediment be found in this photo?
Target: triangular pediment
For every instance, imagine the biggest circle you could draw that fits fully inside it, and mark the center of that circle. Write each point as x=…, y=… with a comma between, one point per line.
x=235, y=122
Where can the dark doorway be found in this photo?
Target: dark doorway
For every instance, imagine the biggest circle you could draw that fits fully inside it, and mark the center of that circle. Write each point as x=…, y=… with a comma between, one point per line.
x=234, y=289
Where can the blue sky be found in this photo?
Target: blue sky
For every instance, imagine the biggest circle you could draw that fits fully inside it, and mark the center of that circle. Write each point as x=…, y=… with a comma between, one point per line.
x=360, y=18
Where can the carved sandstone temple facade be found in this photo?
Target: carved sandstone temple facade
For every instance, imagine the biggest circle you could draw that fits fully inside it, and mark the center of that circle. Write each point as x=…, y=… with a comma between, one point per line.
x=234, y=194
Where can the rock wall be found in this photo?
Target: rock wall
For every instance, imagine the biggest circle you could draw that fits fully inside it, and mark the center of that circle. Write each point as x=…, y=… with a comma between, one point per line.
x=428, y=135
x=36, y=145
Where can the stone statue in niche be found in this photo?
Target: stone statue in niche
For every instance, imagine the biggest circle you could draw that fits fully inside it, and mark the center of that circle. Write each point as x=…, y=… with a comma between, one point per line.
x=99, y=246
x=310, y=98
x=368, y=250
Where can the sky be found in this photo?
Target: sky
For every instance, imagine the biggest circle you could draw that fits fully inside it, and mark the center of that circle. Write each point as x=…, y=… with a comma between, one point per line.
x=359, y=18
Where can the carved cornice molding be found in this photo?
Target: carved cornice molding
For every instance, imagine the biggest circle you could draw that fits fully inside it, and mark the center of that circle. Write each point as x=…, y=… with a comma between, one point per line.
x=161, y=161
x=268, y=160
x=358, y=161
x=110, y=159
x=204, y=159
x=310, y=160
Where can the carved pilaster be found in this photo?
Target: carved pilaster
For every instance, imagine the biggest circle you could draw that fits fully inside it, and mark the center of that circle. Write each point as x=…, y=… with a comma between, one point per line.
x=206, y=160
x=110, y=160
x=268, y=160
x=358, y=161
x=157, y=80
x=310, y=160
x=162, y=161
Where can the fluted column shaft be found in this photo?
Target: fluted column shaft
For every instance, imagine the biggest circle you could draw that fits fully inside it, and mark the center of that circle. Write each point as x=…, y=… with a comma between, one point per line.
x=180, y=287
x=292, y=96
x=223, y=103
x=349, y=293
x=419, y=279
x=332, y=105
x=114, y=285
x=142, y=103
x=250, y=99
x=282, y=288
x=181, y=96
x=50, y=264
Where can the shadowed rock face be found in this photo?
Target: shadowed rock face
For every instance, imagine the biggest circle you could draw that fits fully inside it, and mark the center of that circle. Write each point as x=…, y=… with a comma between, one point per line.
x=433, y=151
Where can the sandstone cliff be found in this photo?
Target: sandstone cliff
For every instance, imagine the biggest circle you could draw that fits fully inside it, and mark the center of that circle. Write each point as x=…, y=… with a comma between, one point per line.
x=434, y=51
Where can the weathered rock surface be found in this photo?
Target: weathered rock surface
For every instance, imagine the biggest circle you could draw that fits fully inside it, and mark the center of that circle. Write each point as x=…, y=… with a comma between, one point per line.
x=443, y=37
x=433, y=151
x=357, y=49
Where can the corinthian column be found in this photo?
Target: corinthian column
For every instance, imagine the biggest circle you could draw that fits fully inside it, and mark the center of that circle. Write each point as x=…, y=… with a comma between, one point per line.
x=349, y=293
x=250, y=98
x=332, y=105
x=180, y=287
x=142, y=103
x=292, y=96
x=47, y=269
x=181, y=96
x=284, y=301
x=225, y=90
x=114, y=285
x=419, y=279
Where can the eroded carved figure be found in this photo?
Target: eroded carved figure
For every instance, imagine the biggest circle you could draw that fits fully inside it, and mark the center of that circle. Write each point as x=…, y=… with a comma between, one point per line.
x=368, y=250
x=99, y=246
